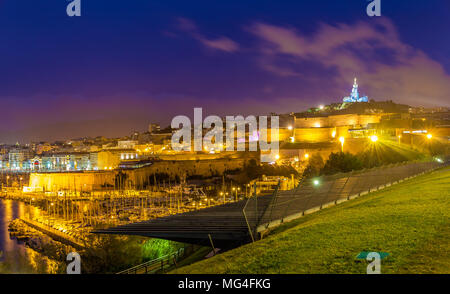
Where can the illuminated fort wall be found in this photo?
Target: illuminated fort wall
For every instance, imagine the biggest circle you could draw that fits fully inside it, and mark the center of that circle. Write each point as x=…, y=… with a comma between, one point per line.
x=336, y=120
x=321, y=129
x=73, y=181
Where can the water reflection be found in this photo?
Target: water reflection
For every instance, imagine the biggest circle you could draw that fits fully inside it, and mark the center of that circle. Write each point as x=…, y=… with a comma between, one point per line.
x=14, y=256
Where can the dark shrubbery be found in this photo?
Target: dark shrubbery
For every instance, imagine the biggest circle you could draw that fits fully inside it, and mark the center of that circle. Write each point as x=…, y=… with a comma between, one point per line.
x=341, y=162
x=253, y=171
x=314, y=167
x=438, y=148
x=111, y=254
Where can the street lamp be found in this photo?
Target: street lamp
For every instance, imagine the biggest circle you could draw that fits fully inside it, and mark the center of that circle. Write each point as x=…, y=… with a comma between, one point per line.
x=306, y=156
x=234, y=189
x=429, y=136
x=374, y=138
x=399, y=138
x=316, y=182
x=342, y=140
x=290, y=128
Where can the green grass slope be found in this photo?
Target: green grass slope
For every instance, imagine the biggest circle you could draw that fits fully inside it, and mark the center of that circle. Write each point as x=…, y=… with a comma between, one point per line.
x=410, y=221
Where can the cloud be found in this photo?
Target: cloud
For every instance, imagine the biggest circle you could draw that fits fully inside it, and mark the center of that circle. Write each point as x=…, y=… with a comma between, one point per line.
x=387, y=68
x=220, y=43
x=185, y=24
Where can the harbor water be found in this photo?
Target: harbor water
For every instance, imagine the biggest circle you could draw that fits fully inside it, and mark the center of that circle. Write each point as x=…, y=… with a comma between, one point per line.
x=15, y=257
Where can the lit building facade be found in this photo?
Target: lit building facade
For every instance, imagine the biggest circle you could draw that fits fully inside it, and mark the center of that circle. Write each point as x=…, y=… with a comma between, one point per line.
x=64, y=162
x=19, y=159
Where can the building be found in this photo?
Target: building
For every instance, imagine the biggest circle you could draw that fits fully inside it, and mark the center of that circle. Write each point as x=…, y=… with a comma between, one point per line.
x=111, y=158
x=127, y=144
x=19, y=159
x=44, y=147
x=154, y=127
x=64, y=162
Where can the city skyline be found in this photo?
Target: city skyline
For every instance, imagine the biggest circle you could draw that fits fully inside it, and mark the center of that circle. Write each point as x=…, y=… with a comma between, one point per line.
x=117, y=68
x=271, y=138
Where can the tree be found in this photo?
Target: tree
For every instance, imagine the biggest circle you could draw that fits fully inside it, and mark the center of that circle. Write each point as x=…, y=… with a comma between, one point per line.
x=111, y=254
x=341, y=162
x=314, y=167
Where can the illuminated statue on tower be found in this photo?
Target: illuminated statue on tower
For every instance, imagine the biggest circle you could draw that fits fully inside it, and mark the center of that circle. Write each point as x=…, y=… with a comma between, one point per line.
x=354, y=95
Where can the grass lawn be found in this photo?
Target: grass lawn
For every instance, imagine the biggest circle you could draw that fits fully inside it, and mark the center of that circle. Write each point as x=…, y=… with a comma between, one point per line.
x=410, y=221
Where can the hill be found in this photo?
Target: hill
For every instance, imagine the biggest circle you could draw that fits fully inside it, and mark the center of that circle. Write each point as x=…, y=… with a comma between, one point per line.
x=410, y=221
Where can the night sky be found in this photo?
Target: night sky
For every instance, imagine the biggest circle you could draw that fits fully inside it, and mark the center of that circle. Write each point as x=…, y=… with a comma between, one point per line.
x=123, y=64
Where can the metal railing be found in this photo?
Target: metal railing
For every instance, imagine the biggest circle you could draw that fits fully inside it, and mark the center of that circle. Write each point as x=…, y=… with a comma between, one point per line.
x=309, y=197
x=253, y=211
x=155, y=265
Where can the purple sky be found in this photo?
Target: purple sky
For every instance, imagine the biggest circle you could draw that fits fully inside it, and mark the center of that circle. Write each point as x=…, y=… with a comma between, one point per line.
x=122, y=65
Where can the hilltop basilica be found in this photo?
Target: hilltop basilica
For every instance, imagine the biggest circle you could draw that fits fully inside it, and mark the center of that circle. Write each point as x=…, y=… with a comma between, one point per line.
x=354, y=95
